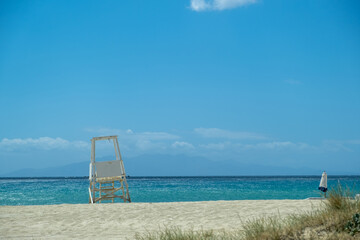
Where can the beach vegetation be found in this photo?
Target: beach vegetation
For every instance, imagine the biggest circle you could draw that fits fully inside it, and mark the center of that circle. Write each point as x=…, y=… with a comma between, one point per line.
x=337, y=219
x=176, y=233
x=353, y=226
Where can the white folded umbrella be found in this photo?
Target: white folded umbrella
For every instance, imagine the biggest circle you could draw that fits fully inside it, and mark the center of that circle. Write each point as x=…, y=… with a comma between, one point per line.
x=323, y=183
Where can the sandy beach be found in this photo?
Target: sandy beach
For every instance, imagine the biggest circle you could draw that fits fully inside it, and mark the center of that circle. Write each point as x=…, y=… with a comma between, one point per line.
x=123, y=221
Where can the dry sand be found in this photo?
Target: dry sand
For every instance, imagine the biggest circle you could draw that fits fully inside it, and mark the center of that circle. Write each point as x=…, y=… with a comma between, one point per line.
x=122, y=221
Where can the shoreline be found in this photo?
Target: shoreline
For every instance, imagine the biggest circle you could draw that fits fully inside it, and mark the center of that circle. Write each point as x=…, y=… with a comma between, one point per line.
x=4, y=177
x=123, y=221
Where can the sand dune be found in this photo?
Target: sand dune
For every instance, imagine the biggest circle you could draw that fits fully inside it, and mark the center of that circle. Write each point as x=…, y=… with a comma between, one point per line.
x=122, y=221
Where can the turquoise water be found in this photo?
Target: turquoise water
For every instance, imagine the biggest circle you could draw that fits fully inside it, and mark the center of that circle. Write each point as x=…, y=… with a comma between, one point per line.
x=39, y=191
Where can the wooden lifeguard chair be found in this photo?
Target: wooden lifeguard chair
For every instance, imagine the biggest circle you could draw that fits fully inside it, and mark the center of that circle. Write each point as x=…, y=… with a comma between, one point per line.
x=107, y=179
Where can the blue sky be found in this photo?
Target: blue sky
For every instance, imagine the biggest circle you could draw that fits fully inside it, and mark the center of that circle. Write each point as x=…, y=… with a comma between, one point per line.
x=276, y=83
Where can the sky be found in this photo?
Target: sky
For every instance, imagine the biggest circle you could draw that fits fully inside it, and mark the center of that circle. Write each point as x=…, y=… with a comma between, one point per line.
x=267, y=82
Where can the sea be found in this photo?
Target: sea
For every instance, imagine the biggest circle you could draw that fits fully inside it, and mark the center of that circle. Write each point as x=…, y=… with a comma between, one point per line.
x=74, y=190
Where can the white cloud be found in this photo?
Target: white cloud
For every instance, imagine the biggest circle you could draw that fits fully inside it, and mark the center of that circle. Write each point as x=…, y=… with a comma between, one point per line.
x=353, y=142
x=156, y=136
x=182, y=145
x=346, y=145
x=45, y=143
x=327, y=146
x=212, y=141
x=131, y=135
x=207, y=5
x=135, y=143
x=199, y=5
x=216, y=146
x=275, y=145
x=146, y=145
x=220, y=133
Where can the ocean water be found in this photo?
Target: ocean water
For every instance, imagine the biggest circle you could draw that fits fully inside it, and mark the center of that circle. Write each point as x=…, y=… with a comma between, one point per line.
x=46, y=191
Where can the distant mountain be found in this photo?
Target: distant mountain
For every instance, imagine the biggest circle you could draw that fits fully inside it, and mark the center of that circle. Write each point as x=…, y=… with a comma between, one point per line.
x=181, y=165
x=171, y=165
x=71, y=170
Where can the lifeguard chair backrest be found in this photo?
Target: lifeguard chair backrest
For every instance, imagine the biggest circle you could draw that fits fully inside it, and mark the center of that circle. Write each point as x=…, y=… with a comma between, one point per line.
x=109, y=169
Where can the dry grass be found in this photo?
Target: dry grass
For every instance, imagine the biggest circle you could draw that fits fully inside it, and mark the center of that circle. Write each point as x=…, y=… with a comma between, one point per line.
x=328, y=222
x=179, y=234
